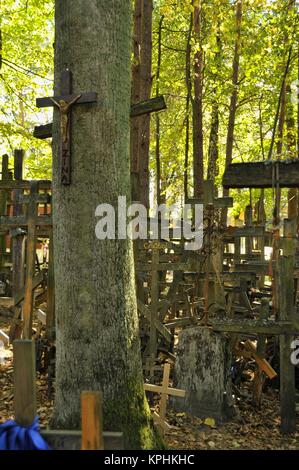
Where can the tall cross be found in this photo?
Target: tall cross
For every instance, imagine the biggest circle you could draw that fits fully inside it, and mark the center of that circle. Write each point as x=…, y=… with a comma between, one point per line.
x=64, y=103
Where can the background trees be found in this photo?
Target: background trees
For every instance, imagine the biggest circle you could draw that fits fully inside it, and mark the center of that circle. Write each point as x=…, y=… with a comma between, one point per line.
x=209, y=38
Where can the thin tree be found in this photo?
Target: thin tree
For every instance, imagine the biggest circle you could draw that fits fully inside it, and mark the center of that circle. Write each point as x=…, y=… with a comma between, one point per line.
x=198, y=152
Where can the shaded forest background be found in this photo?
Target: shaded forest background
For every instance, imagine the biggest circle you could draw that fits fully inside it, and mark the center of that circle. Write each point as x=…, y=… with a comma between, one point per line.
x=228, y=71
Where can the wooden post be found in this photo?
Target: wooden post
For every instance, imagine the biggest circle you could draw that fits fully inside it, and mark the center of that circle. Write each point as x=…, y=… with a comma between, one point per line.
x=154, y=305
x=92, y=421
x=3, y=208
x=24, y=382
x=18, y=243
x=50, y=321
x=248, y=223
x=30, y=263
x=286, y=312
x=258, y=381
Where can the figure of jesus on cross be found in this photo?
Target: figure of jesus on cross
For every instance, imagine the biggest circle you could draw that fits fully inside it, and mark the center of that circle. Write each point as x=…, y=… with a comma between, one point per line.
x=64, y=103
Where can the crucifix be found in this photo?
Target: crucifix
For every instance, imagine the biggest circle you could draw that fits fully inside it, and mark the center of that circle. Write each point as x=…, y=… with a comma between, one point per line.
x=64, y=104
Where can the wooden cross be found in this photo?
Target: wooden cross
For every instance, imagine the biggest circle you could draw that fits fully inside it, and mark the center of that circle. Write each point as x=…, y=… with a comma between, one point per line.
x=31, y=222
x=153, y=105
x=164, y=390
x=64, y=103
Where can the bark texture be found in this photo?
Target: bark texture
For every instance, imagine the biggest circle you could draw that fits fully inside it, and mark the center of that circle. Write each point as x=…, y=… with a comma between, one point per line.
x=203, y=369
x=198, y=155
x=97, y=326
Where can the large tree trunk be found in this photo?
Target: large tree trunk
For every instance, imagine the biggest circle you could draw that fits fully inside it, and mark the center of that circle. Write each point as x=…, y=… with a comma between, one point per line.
x=97, y=325
x=198, y=166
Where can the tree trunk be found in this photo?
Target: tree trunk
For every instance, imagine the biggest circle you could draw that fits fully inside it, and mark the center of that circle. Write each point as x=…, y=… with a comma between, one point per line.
x=188, y=100
x=135, y=98
x=158, y=126
x=97, y=326
x=198, y=166
x=145, y=94
x=235, y=80
x=213, y=152
x=234, y=95
x=141, y=90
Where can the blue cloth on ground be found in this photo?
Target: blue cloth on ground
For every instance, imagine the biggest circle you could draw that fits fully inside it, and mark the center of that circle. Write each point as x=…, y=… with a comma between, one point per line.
x=15, y=437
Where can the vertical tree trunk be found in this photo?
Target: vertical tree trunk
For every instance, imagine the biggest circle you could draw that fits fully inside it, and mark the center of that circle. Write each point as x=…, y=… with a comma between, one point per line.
x=145, y=93
x=135, y=98
x=198, y=156
x=157, y=150
x=213, y=152
x=188, y=100
x=97, y=326
x=141, y=90
x=234, y=95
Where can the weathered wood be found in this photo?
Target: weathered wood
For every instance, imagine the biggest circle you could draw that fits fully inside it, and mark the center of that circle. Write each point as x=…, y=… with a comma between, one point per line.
x=24, y=382
x=86, y=98
x=50, y=326
x=42, y=317
x=24, y=184
x=146, y=311
x=10, y=222
x=260, y=174
x=3, y=208
x=164, y=390
x=19, y=296
x=145, y=107
x=164, y=267
x=18, y=242
x=39, y=198
x=4, y=338
x=255, y=231
x=285, y=278
x=258, y=381
x=217, y=202
x=92, y=421
x=269, y=328
x=71, y=440
x=154, y=305
x=43, y=132
x=18, y=164
x=27, y=308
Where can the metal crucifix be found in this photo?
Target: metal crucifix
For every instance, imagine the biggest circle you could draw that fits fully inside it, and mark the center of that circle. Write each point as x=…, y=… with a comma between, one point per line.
x=64, y=103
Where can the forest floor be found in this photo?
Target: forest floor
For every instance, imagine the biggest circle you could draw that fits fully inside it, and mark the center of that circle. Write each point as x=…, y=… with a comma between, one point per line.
x=251, y=429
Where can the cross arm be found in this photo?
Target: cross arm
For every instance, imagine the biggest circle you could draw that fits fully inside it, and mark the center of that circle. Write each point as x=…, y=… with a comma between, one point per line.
x=85, y=98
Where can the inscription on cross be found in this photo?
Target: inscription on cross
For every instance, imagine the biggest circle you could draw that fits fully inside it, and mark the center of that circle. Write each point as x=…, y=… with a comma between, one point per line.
x=64, y=104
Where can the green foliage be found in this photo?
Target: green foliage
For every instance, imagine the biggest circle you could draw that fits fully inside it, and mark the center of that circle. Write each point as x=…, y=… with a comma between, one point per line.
x=268, y=30
x=27, y=29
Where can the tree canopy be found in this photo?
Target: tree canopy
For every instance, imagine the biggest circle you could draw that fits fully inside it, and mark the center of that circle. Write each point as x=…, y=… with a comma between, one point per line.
x=268, y=46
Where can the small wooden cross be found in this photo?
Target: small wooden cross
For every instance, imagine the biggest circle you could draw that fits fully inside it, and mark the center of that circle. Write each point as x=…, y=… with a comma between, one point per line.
x=64, y=103
x=164, y=390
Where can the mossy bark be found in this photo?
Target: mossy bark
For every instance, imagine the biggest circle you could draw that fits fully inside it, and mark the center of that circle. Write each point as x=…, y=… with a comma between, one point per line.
x=97, y=325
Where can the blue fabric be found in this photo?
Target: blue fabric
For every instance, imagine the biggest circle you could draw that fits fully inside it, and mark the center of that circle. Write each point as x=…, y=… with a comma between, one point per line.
x=15, y=437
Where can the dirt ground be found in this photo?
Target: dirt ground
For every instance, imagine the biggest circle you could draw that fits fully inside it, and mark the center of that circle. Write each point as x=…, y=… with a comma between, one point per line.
x=251, y=429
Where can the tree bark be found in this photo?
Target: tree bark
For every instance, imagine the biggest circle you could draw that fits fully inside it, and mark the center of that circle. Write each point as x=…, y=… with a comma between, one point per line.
x=141, y=90
x=234, y=95
x=145, y=94
x=213, y=152
x=158, y=125
x=198, y=155
x=188, y=100
x=97, y=326
x=135, y=98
